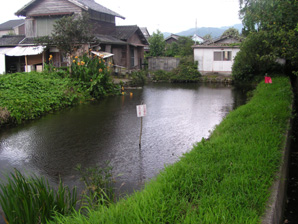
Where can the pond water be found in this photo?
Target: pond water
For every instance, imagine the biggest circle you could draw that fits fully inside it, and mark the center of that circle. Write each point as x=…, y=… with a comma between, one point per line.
x=178, y=116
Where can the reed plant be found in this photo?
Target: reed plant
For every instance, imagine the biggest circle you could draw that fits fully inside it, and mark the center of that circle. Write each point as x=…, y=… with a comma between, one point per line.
x=32, y=200
x=225, y=179
x=98, y=183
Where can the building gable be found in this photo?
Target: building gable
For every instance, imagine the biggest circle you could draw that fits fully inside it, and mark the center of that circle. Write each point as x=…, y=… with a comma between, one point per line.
x=52, y=7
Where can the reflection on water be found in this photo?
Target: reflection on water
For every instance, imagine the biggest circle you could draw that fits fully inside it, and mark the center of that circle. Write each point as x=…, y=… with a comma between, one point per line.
x=177, y=117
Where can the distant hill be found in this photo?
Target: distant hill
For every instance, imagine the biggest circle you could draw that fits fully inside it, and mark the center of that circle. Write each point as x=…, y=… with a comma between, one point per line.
x=202, y=31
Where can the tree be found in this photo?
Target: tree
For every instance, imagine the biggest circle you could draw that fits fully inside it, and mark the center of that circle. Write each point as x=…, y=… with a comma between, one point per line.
x=276, y=22
x=231, y=32
x=69, y=33
x=172, y=49
x=185, y=46
x=157, y=44
x=207, y=37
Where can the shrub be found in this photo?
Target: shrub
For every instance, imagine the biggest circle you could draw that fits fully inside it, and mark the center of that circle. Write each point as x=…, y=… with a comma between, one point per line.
x=139, y=78
x=255, y=58
x=161, y=75
x=29, y=95
x=94, y=73
x=187, y=71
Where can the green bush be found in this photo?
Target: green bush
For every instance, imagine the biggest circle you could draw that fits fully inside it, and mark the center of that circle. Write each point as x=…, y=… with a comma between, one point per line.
x=27, y=96
x=32, y=200
x=139, y=78
x=94, y=72
x=187, y=71
x=161, y=75
x=255, y=58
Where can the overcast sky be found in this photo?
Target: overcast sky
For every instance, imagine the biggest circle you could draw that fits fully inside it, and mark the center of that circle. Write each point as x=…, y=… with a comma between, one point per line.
x=164, y=15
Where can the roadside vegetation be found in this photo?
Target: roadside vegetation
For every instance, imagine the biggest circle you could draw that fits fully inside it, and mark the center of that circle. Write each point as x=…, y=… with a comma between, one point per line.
x=225, y=179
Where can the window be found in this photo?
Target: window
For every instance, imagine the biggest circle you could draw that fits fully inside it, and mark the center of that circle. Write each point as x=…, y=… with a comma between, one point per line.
x=222, y=55
x=132, y=57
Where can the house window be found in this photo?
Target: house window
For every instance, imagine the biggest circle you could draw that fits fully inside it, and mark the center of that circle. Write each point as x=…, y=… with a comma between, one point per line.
x=132, y=57
x=222, y=55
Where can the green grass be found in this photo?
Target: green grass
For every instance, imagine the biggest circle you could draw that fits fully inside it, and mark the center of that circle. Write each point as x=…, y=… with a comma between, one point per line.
x=225, y=179
x=26, y=96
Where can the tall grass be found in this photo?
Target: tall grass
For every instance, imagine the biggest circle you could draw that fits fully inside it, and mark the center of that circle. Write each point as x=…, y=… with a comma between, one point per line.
x=225, y=179
x=32, y=200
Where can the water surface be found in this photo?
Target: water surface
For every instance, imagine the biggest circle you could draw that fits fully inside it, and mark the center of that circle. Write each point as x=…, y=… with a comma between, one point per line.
x=178, y=116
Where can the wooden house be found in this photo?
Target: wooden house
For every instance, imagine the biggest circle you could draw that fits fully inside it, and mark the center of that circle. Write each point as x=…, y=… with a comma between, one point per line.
x=126, y=44
x=172, y=38
x=217, y=56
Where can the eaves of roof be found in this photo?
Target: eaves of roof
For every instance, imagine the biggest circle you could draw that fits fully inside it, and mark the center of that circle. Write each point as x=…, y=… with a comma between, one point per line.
x=106, y=39
x=84, y=4
x=216, y=46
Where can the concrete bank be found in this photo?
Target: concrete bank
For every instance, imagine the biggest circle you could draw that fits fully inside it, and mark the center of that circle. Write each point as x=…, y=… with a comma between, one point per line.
x=277, y=201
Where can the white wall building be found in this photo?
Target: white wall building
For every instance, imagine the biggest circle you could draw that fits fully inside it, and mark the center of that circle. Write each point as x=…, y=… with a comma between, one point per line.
x=217, y=56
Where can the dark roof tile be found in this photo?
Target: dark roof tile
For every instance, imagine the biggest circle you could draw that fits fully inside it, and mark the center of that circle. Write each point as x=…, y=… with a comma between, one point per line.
x=8, y=40
x=9, y=25
x=125, y=32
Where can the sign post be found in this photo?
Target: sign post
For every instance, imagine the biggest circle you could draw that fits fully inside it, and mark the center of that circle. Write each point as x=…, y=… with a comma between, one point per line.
x=141, y=112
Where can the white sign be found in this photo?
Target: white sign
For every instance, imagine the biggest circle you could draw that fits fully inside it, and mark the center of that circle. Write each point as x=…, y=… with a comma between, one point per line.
x=141, y=110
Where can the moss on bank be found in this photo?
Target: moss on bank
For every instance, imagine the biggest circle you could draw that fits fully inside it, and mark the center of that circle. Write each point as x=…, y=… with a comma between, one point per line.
x=225, y=179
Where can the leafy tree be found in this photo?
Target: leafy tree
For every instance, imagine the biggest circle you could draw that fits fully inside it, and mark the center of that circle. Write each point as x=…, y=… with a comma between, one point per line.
x=157, y=44
x=172, y=49
x=275, y=21
x=207, y=37
x=181, y=48
x=231, y=32
x=69, y=33
x=185, y=46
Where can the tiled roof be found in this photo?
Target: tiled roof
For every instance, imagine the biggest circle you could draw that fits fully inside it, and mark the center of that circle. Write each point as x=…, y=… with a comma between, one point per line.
x=85, y=4
x=28, y=41
x=9, y=25
x=174, y=36
x=14, y=40
x=99, y=8
x=125, y=32
x=105, y=39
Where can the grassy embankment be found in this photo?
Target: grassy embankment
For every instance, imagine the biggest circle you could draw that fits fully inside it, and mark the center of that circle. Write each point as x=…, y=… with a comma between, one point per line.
x=225, y=179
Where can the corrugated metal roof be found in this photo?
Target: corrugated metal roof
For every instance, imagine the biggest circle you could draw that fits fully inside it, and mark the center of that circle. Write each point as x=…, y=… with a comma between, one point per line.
x=4, y=50
x=23, y=51
x=102, y=54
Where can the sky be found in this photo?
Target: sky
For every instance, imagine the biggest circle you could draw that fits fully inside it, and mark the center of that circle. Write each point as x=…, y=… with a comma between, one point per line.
x=164, y=15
